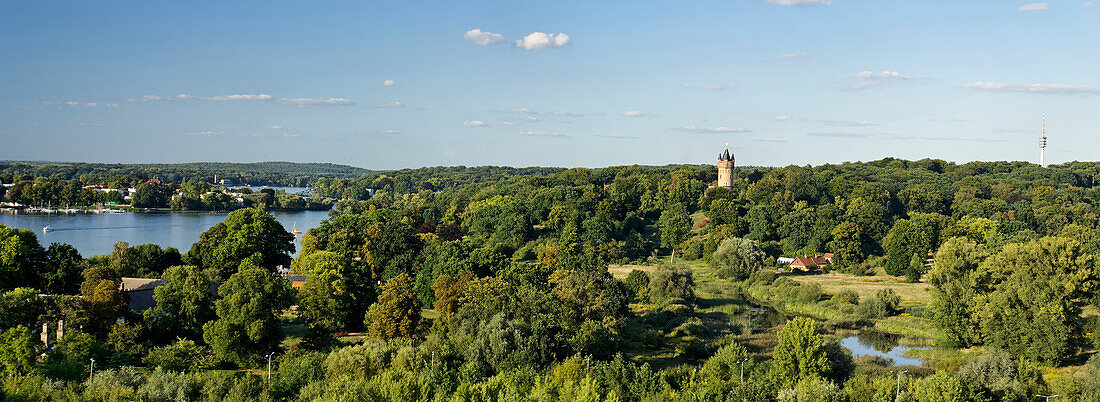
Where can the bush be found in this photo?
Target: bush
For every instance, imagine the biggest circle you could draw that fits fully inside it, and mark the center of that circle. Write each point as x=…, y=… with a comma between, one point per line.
x=1088, y=379
x=846, y=297
x=672, y=281
x=725, y=364
x=993, y=375
x=162, y=385
x=809, y=293
x=737, y=258
x=693, y=250
x=638, y=284
x=889, y=299
x=692, y=326
x=691, y=347
x=812, y=389
x=184, y=355
x=762, y=277
x=872, y=308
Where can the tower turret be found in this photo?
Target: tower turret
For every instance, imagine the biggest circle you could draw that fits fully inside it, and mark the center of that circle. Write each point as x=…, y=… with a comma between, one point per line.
x=725, y=168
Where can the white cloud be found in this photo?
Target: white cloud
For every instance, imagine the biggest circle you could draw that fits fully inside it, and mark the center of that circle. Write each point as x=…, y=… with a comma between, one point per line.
x=542, y=133
x=83, y=104
x=850, y=123
x=540, y=40
x=388, y=83
x=314, y=102
x=771, y=139
x=253, y=98
x=275, y=135
x=559, y=113
x=850, y=135
x=1034, y=7
x=801, y=3
x=475, y=123
x=720, y=129
x=256, y=97
x=616, y=136
x=207, y=133
x=891, y=136
x=482, y=38
x=782, y=118
x=1049, y=89
x=387, y=105
x=526, y=119
x=82, y=124
x=868, y=79
x=715, y=87
x=635, y=113
x=794, y=55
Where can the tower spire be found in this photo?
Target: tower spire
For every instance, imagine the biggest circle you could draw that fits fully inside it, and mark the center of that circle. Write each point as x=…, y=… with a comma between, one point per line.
x=1043, y=143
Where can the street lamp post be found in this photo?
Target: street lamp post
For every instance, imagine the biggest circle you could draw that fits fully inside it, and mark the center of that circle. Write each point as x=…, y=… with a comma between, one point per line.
x=91, y=370
x=897, y=393
x=742, y=363
x=270, y=368
x=1047, y=397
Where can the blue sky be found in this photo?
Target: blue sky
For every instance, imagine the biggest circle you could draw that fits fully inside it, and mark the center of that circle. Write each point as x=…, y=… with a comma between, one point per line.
x=567, y=83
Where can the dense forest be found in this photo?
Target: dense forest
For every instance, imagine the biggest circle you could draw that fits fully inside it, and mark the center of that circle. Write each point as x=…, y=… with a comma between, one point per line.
x=287, y=174
x=620, y=283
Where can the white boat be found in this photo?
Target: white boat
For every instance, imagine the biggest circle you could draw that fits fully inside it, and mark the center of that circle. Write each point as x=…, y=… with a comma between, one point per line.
x=48, y=211
x=47, y=229
x=69, y=210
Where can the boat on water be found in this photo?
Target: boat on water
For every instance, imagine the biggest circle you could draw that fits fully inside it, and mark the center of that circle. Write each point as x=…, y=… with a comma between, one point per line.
x=69, y=210
x=47, y=229
x=294, y=230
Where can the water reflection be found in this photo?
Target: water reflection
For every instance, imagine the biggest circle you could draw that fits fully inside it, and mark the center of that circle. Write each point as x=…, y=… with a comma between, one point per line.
x=876, y=343
x=96, y=234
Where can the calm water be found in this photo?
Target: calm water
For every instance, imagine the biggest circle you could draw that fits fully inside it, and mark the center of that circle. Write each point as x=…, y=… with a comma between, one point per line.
x=864, y=345
x=95, y=234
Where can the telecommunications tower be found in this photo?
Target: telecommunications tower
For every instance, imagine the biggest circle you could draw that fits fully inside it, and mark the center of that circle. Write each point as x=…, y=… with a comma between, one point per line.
x=1043, y=143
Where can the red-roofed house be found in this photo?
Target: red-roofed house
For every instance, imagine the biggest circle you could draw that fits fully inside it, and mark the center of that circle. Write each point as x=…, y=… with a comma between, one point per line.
x=809, y=263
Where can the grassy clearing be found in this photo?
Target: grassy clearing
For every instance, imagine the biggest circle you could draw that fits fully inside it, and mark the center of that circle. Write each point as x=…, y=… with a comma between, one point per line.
x=621, y=271
x=834, y=282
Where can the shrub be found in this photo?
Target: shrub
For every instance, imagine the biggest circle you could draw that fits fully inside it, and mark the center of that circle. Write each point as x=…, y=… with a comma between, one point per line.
x=890, y=299
x=725, y=364
x=846, y=297
x=872, y=308
x=692, y=326
x=994, y=375
x=672, y=281
x=809, y=292
x=1088, y=379
x=738, y=258
x=183, y=355
x=638, y=284
x=762, y=277
x=691, y=347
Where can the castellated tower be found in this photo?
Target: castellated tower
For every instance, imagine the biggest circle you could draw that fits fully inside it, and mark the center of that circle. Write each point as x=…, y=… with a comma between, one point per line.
x=725, y=169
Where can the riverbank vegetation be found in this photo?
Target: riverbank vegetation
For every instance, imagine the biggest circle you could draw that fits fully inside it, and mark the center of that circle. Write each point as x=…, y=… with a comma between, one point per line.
x=275, y=174
x=622, y=283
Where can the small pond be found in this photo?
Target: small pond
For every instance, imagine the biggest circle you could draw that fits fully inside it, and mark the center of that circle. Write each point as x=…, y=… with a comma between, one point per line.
x=875, y=343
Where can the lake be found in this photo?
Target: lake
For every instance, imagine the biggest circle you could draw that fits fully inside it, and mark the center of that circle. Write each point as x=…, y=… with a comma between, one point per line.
x=95, y=234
